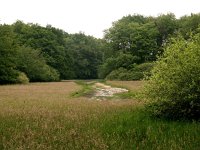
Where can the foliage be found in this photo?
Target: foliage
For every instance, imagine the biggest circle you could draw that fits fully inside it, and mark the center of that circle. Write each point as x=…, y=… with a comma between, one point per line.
x=22, y=78
x=138, y=37
x=50, y=41
x=136, y=73
x=32, y=63
x=144, y=69
x=167, y=25
x=121, y=60
x=8, y=46
x=87, y=54
x=133, y=35
x=119, y=74
x=106, y=67
x=128, y=43
x=73, y=56
x=173, y=88
x=188, y=24
x=143, y=38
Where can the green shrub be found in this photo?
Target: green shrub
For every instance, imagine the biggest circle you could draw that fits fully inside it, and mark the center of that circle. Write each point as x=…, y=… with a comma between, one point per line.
x=137, y=73
x=49, y=74
x=122, y=60
x=144, y=67
x=22, y=78
x=173, y=90
x=142, y=70
x=119, y=74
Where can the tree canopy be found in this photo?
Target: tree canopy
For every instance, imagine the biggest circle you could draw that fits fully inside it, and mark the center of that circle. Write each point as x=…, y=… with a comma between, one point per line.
x=143, y=38
x=38, y=53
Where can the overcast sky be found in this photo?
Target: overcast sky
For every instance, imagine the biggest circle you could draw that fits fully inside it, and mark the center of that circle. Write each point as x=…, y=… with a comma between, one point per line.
x=88, y=16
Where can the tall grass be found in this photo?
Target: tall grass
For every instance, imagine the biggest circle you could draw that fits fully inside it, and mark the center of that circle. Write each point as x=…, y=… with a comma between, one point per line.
x=86, y=88
x=44, y=116
x=134, y=129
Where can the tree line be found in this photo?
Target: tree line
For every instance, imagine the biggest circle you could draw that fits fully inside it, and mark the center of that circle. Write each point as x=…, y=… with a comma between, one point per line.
x=35, y=53
x=30, y=52
x=136, y=41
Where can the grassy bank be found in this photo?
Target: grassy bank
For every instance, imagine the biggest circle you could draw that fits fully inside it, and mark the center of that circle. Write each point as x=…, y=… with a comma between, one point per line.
x=44, y=116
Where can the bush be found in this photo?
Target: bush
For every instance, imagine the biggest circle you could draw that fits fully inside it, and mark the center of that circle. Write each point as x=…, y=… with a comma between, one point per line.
x=22, y=78
x=122, y=60
x=119, y=74
x=49, y=74
x=173, y=90
x=142, y=70
x=137, y=73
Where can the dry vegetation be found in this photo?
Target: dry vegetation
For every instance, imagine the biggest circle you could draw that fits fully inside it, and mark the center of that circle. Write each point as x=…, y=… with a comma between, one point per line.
x=44, y=116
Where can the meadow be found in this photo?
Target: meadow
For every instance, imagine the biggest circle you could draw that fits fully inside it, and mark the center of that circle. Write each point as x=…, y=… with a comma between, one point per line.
x=46, y=116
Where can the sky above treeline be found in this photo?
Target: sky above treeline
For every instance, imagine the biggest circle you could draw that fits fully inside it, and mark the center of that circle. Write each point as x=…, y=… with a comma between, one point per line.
x=91, y=17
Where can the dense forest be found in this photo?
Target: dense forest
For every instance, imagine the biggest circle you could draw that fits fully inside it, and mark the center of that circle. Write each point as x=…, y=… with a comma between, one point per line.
x=30, y=52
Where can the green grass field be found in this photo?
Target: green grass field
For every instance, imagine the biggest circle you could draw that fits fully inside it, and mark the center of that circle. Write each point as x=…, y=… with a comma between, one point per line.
x=46, y=116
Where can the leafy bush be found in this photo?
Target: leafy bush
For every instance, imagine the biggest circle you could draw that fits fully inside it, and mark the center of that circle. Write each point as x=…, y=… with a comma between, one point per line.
x=141, y=70
x=174, y=87
x=22, y=78
x=49, y=74
x=137, y=73
x=119, y=74
x=114, y=63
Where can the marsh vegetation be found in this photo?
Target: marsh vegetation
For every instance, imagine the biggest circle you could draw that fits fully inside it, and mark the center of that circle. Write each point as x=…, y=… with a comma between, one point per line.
x=46, y=116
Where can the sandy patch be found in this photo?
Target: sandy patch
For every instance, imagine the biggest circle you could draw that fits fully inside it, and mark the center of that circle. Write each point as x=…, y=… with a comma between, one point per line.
x=103, y=90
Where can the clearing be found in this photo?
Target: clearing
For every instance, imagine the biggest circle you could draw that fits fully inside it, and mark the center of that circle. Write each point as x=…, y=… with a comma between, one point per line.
x=45, y=116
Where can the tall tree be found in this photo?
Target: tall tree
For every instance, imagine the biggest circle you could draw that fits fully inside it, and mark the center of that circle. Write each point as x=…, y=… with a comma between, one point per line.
x=51, y=42
x=166, y=25
x=188, y=24
x=134, y=34
x=8, y=47
x=87, y=54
